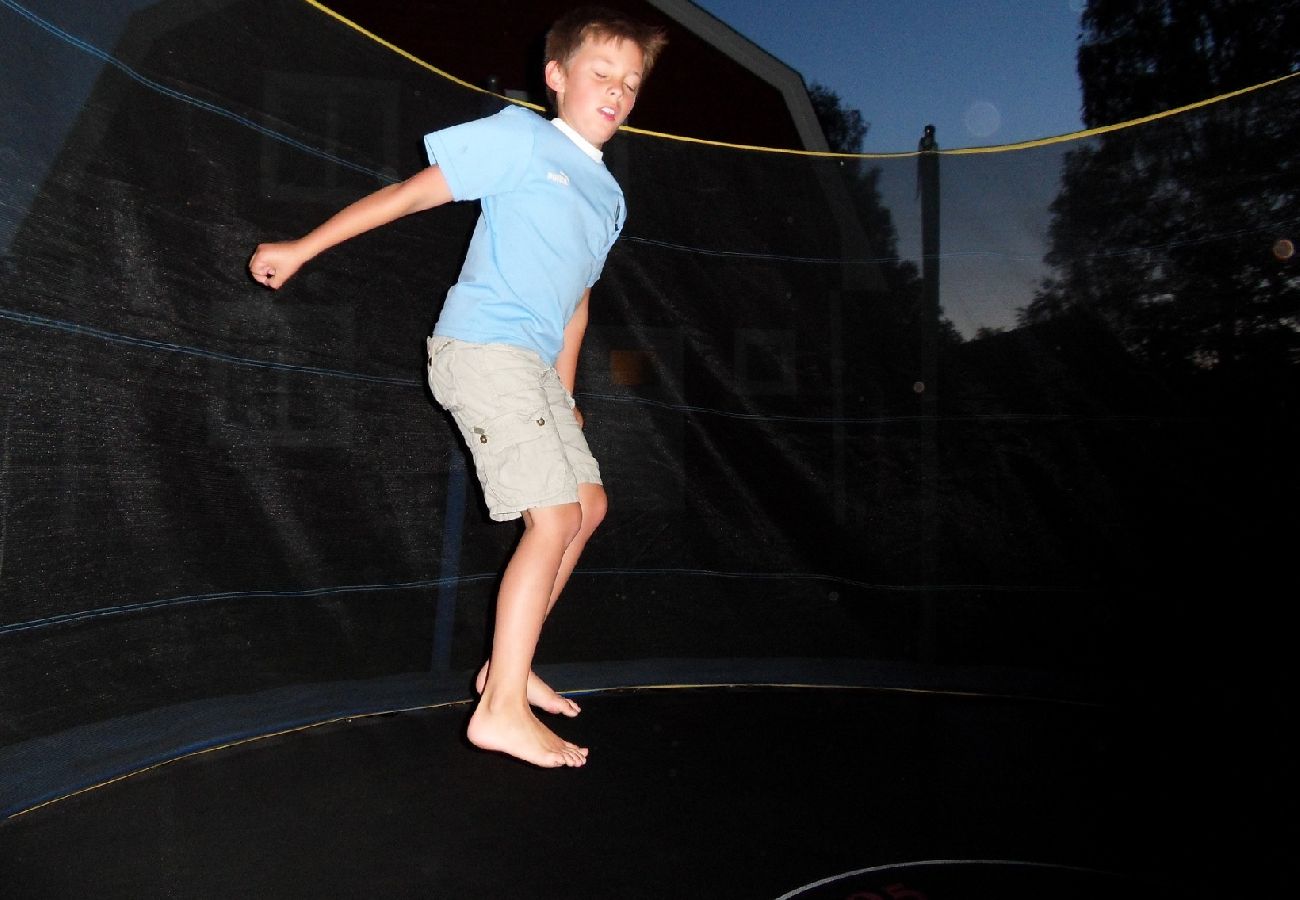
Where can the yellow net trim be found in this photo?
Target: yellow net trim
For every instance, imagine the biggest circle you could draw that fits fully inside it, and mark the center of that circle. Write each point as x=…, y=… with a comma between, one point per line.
x=965, y=151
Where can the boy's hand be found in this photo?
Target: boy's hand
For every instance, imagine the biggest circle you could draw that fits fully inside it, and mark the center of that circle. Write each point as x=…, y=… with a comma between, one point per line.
x=274, y=264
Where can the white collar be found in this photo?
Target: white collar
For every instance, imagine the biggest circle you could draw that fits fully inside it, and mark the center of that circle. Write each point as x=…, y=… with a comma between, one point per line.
x=583, y=144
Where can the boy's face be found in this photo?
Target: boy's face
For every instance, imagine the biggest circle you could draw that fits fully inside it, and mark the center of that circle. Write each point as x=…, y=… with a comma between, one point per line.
x=596, y=89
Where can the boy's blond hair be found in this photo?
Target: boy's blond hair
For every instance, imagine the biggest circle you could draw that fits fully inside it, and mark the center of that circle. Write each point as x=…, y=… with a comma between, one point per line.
x=572, y=29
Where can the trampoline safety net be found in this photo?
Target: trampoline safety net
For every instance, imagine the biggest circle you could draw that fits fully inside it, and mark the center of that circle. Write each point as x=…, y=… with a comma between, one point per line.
x=1058, y=441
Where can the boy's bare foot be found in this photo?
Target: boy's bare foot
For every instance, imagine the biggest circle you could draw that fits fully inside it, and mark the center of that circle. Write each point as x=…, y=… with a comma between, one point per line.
x=520, y=735
x=540, y=694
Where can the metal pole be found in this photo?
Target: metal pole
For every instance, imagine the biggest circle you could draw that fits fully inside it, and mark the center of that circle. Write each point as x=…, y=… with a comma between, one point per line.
x=927, y=177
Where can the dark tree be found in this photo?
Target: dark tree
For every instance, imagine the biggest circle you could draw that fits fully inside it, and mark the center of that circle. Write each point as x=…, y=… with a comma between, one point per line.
x=844, y=127
x=846, y=130
x=1167, y=230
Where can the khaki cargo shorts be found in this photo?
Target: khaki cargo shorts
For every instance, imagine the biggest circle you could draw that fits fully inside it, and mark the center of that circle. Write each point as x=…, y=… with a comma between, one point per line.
x=518, y=421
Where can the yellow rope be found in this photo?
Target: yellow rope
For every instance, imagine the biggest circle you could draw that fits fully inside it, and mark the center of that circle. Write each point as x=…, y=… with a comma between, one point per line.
x=1105, y=129
x=964, y=151
x=998, y=148
x=415, y=59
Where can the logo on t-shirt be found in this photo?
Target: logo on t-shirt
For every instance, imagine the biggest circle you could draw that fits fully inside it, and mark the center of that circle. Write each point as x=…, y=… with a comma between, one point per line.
x=558, y=178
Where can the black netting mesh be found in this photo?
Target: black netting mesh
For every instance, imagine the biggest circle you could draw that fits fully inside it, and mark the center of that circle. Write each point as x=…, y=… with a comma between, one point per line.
x=1080, y=466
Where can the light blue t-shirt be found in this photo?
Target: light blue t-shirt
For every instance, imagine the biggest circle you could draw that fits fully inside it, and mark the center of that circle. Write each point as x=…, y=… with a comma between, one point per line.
x=550, y=213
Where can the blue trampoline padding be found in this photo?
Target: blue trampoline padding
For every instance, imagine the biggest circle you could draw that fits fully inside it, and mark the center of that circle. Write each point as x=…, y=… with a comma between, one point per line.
x=54, y=766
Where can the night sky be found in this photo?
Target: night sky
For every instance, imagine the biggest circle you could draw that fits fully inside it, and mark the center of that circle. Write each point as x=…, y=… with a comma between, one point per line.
x=982, y=71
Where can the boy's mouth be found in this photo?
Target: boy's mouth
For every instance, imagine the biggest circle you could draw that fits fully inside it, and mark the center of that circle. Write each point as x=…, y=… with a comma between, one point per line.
x=609, y=113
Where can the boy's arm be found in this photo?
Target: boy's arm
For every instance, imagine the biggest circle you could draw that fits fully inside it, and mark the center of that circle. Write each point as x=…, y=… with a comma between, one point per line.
x=274, y=264
x=566, y=364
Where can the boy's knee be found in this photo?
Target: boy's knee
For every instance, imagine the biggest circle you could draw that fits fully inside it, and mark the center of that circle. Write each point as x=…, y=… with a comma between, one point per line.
x=595, y=504
x=562, y=522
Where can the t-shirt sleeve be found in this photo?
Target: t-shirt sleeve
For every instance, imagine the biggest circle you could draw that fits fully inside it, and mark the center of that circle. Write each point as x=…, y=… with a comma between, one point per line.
x=484, y=157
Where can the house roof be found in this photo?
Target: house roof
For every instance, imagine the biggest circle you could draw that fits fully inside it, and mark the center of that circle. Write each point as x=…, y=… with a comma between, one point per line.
x=757, y=60
x=714, y=83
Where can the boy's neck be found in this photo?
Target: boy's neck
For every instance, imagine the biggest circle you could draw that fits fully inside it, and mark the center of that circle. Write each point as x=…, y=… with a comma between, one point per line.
x=584, y=145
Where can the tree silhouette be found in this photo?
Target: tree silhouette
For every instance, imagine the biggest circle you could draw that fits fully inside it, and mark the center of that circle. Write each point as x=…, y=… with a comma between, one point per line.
x=844, y=127
x=899, y=307
x=1166, y=230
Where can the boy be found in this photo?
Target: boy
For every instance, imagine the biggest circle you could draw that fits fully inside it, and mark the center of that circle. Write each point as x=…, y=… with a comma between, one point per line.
x=504, y=352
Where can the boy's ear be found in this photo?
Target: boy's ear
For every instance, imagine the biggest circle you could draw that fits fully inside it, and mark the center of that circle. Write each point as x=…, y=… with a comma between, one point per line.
x=555, y=75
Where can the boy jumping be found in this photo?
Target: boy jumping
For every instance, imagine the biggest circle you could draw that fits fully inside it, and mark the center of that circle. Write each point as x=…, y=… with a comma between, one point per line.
x=504, y=353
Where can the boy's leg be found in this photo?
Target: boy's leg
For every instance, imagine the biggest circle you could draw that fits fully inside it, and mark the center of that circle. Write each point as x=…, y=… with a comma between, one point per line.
x=593, y=502
x=502, y=720
x=489, y=389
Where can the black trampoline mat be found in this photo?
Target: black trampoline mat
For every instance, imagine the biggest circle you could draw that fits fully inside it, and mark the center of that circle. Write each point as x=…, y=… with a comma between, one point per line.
x=705, y=792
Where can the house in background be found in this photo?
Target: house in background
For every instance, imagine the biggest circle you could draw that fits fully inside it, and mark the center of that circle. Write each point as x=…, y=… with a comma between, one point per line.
x=714, y=83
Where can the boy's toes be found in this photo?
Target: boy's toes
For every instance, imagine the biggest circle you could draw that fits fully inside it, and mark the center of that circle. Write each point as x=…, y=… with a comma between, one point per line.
x=559, y=705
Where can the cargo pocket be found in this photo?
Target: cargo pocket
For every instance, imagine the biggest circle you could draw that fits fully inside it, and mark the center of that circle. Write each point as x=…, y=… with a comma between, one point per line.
x=523, y=457
x=440, y=381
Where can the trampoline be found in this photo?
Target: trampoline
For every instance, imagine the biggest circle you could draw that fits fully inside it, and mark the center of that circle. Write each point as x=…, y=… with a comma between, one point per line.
x=709, y=792
x=892, y=603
